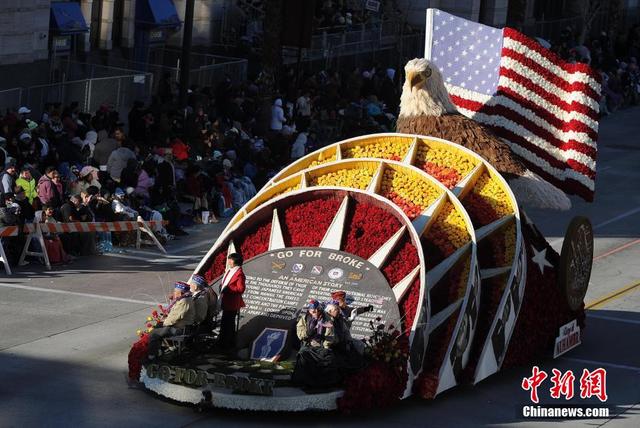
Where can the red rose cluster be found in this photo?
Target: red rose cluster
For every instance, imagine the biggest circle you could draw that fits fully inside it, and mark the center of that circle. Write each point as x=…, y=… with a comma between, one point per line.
x=255, y=242
x=307, y=222
x=216, y=268
x=370, y=227
x=137, y=353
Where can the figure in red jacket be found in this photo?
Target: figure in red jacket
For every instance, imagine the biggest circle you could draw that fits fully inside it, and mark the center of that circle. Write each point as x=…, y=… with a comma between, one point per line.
x=231, y=288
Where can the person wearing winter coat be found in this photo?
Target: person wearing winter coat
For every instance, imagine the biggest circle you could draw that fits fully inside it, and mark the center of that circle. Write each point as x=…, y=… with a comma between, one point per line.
x=118, y=161
x=28, y=184
x=145, y=179
x=299, y=147
x=277, y=116
x=50, y=189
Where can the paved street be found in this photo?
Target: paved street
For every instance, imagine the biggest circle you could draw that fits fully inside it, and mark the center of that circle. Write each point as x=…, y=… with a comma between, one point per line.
x=65, y=333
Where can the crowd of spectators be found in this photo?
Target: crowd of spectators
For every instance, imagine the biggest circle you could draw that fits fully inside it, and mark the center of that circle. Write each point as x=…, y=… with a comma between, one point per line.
x=174, y=164
x=616, y=61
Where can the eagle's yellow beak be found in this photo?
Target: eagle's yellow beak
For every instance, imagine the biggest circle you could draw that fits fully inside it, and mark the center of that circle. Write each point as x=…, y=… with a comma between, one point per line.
x=415, y=79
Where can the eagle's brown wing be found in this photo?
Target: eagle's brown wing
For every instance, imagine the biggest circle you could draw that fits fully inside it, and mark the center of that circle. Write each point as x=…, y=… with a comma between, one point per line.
x=468, y=133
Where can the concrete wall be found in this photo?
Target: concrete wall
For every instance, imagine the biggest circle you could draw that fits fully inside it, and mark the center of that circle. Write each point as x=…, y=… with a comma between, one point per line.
x=24, y=31
x=203, y=16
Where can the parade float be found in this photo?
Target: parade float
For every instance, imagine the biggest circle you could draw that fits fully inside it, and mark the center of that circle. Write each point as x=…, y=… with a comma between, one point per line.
x=422, y=227
x=429, y=234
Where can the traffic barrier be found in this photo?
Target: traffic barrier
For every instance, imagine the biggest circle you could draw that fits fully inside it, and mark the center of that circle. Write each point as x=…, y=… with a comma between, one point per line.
x=36, y=230
x=6, y=231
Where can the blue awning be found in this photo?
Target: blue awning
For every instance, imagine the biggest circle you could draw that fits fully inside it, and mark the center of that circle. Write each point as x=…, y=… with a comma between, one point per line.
x=157, y=14
x=66, y=18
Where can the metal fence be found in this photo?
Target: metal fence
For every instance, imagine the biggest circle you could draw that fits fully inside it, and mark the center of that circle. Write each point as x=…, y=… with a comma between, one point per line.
x=92, y=84
x=210, y=75
x=206, y=69
x=359, y=54
x=10, y=98
x=364, y=41
x=551, y=30
x=118, y=92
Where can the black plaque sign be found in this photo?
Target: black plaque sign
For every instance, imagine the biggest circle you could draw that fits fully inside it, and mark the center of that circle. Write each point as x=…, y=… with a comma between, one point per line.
x=281, y=282
x=576, y=260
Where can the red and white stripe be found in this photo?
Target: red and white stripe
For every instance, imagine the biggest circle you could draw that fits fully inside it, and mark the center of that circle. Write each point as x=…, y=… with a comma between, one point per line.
x=113, y=226
x=546, y=109
x=8, y=231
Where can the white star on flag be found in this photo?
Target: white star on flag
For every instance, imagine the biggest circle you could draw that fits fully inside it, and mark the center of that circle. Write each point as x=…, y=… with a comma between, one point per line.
x=540, y=258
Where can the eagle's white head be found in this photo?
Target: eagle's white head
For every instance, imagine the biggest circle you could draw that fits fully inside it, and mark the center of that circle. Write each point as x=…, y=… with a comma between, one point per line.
x=423, y=92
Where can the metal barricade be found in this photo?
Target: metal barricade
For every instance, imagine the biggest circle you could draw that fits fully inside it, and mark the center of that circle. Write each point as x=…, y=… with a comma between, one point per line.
x=10, y=99
x=118, y=92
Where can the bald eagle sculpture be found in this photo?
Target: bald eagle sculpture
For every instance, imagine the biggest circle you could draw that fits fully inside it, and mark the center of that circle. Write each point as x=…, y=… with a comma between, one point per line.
x=426, y=109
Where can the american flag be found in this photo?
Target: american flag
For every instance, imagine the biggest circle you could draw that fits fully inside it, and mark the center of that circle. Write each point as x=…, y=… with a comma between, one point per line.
x=545, y=108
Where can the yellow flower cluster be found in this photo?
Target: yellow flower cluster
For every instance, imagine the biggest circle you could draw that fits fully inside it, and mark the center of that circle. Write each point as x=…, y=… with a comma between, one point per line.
x=287, y=190
x=449, y=224
x=382, y=148
x=464, y=277
x=412, y=189
x=509, y=234
x=322, y=159
x=491, y=191
x=357, y=178
x=445, y=157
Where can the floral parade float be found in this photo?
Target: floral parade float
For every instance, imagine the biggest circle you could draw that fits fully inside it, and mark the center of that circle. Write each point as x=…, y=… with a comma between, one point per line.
x=425, y=231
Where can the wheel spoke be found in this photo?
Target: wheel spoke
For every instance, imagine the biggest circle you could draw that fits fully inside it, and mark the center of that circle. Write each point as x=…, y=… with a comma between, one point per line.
x=468, y=181
x=436, y=274
x=333, y=237
x=401, y=288
x=276, y=238
x=490, y=273
x=376, y=181
x=231, y=248
x=486, y=230
x=422, y=223
x=380, y=256
x=410, y=157
x=437, y=319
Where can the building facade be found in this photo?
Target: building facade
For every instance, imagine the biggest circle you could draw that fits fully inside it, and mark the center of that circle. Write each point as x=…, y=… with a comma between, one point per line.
x=24, y=31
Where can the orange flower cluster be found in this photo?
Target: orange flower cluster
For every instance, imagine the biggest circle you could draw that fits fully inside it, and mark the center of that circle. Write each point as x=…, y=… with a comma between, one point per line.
x=356, y=178
x=393, y=148
x=445, y=158
x=415, y=194
x=444, y=174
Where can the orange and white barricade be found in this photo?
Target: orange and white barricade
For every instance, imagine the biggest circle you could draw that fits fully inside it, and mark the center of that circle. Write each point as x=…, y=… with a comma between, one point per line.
x=36, y=230
x=4, y=232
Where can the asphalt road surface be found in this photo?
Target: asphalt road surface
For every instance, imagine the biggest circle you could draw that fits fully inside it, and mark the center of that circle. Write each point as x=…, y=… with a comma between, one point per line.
x=65, y=333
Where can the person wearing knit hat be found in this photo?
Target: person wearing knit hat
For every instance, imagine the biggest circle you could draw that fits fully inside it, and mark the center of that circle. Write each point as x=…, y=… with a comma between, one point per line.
x=181, y=315
x=310, y=327
x=182, y=286
x=204, y=298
